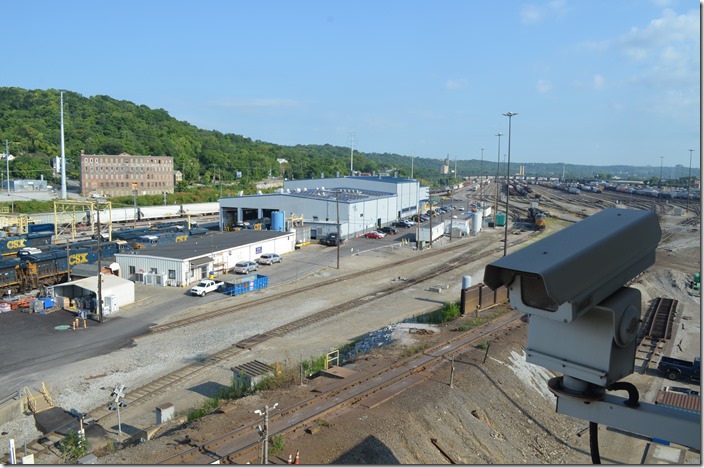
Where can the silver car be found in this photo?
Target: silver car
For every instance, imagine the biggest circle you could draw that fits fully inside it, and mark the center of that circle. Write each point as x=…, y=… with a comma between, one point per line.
x=269, y=259
x=245, y=267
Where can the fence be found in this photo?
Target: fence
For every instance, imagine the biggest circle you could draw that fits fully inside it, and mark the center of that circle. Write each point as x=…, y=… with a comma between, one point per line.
x=481, y=296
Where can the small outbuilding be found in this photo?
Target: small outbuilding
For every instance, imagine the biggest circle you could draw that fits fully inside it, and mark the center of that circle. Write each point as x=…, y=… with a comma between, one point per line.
x=83, y=293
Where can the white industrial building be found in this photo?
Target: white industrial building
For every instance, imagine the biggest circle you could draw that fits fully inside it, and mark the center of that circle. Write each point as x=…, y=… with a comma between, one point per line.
x=184, y=263
x=359, y=204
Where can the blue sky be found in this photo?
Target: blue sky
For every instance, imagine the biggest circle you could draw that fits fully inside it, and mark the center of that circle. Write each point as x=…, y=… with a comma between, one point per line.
x=596, y=82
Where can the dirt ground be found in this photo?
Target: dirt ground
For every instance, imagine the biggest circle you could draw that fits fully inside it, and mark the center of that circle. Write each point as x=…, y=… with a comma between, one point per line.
x=498, y=410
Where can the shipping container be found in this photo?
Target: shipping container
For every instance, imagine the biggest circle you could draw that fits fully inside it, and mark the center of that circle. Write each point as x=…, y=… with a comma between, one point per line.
x=245, y=284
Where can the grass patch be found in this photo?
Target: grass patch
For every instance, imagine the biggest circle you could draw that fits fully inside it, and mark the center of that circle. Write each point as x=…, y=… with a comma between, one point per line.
x=276, y=444
x=206, y=407
x=415, y=349
x=322, y=423
x=448, y=312
x=477, y=321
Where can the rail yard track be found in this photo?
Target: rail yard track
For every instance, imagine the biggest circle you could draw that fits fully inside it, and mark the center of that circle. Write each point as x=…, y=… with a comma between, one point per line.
x=185, y=373
x=367, y=389
x=655, y=330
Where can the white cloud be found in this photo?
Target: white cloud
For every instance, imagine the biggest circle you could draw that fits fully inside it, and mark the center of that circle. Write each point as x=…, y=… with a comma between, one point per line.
x=531, y=14
x=543, y=86
x=598, y=82
x=456, y=84
x=640, y=43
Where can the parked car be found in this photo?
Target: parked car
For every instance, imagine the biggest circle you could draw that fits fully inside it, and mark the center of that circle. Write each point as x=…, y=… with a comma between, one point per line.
x=400, y=224
x=269, y=259
x=332, y=239
x=375, y=235
x=245, y=267
x=388, y=230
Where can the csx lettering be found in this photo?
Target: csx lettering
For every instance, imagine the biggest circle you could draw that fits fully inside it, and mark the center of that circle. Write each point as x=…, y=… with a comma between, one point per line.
x=181, y=238
x=16, y=244
x=78, y=258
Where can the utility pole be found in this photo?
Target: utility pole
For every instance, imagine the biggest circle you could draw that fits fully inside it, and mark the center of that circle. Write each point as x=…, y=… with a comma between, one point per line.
x=100, y=270
x=689, y=179
x=498, y=167
x=337, y=206
x=63, y=152
x=7, y=162
x=418, y=214
x=134, y=194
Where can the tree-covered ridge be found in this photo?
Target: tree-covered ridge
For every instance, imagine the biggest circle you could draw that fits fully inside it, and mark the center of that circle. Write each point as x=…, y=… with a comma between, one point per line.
x=30, y=120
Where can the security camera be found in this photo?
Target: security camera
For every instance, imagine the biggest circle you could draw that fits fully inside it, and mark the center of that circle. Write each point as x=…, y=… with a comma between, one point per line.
x=582, y=321
x=564, y=275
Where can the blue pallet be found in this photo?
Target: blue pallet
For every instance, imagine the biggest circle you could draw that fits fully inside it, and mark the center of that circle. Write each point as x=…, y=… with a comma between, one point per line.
x=245, y=284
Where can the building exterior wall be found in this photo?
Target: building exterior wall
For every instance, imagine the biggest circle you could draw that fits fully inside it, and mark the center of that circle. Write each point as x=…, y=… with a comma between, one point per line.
x=387, y=200
x=180, y=272
x=119, y=175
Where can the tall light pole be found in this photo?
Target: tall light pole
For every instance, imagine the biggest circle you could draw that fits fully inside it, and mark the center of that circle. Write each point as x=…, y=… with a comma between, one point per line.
x=660, y=181
x=689, y=179
x=353, y=139
x=498, y=166
x=63, y=152
x=481, y=180
x=7, y=162
x=508, y=172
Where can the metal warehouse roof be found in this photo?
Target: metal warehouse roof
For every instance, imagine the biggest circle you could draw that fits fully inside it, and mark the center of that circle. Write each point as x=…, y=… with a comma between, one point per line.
x=206, y=245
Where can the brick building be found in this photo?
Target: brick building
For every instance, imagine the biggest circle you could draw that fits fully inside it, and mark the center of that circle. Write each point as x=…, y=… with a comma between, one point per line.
x=112, y=175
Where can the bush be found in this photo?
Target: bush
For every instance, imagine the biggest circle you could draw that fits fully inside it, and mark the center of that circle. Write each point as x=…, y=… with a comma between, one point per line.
x=73, y=447
x=276, y=444
x=449, y=311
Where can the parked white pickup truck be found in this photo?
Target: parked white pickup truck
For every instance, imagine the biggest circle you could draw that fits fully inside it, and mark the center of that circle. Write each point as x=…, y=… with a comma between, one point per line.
x=206, y=286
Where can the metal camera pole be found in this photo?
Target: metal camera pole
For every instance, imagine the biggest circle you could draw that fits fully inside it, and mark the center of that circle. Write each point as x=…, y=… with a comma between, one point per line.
x=264, y=432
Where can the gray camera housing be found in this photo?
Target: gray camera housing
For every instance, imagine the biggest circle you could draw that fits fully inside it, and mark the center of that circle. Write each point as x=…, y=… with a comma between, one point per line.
x=564, y=275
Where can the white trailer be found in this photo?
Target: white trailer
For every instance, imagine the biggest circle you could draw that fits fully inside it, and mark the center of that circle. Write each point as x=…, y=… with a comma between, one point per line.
x=437, y=232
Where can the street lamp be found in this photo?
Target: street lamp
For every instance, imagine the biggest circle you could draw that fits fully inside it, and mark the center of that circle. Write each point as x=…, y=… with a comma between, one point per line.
x=264, y=431
x=508, y=171
x=498, y=166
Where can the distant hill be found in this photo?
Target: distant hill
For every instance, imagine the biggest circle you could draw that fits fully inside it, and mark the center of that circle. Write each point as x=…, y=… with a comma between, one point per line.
x=30, y=119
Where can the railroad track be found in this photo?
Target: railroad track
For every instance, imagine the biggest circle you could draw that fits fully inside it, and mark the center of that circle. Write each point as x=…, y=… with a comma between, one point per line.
x=158, y=386
x=655, y=330
x=242, y=444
